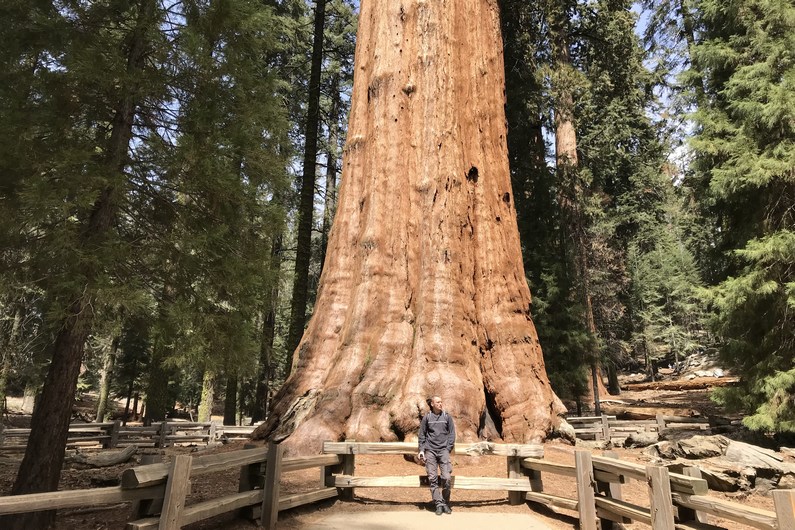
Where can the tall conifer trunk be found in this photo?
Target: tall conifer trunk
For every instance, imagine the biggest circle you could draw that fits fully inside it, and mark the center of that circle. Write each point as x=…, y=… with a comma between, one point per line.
x=266, y=369
x=306, y=204
x=570, y=186
x=423, y=290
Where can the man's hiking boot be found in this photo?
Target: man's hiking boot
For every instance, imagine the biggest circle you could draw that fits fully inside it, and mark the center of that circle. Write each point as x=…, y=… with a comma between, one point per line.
x=447, y=509
x=439, y=510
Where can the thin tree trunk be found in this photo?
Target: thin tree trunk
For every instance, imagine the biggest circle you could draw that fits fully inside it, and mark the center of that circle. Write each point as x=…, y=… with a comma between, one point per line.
x=9, y=351
x=104, y=381
x=306, y=204
x=423, y=290
x=230, y=400
x=40, y=469
x=265, y=372
x=208, y=397
x=331, y=170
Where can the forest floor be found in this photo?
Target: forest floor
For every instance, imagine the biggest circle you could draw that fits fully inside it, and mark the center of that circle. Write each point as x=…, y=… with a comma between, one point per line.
x=397, y=504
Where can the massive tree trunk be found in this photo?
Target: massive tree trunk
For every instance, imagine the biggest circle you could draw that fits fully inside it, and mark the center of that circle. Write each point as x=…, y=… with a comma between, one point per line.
x=423, y=290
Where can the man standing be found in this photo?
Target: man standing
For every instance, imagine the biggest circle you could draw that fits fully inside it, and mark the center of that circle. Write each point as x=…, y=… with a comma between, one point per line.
x=437, y=439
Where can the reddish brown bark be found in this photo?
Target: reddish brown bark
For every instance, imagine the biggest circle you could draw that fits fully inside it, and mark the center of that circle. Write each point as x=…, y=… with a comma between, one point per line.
x=423, y=290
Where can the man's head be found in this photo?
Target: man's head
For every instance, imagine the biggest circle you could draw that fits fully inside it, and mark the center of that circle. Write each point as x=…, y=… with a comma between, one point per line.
x=436, y=404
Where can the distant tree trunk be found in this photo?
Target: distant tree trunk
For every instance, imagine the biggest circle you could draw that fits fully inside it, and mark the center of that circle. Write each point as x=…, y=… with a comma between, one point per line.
x=331, y=170
x=40, y=469
x=109, y=359
x=265, y=372
x=230, y=400
x=423, y=291
x=306, y=204
x=208, y=396
x=9, y=351
x=158, y=398
x=571, y=190
x=612, y=380
x=136, y=401
x=29, y=397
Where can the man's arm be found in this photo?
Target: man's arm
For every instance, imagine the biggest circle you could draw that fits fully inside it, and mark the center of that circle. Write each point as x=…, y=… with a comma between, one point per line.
x=450, y=433
x=423, y=434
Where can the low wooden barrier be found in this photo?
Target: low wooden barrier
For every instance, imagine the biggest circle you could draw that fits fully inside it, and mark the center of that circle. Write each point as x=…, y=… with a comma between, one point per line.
x=112, y=435
x=167, y=485
x=606, y=427
x=676, y=501
x=516, y=483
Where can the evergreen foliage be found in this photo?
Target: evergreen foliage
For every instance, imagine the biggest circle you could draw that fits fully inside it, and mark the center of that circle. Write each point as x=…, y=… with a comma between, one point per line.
x=745, y=166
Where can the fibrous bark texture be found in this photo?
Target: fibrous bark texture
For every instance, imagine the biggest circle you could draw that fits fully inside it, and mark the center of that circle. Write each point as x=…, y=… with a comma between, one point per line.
x=423, y=290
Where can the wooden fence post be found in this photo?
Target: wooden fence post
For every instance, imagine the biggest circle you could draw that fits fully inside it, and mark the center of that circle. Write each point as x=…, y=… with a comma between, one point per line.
x=114, y=434
x=177, y=489
x=348, y=468
x=586, y=504
x=688, y=514
x=251, y=477
x=611, y=490
x=211, y=434
x=606, y=434
x=515, y=471
x=784, y=502
x=660, y=423
x=148, y=507
x=662, y=507
x=270, y=500
x=163, y=433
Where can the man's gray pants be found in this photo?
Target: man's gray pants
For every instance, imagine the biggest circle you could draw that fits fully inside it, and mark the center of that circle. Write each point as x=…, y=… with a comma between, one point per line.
x=438, y=466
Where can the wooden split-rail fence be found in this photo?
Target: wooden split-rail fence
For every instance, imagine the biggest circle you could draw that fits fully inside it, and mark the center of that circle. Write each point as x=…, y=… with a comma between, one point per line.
x=111, y=435
x=606, y=427
x=159, y=491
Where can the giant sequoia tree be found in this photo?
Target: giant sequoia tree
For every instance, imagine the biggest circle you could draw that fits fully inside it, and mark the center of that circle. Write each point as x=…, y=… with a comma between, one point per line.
x=423, y=289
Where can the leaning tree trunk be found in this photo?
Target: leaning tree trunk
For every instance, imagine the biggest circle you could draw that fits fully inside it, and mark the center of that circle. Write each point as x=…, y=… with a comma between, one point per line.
x=423, y=290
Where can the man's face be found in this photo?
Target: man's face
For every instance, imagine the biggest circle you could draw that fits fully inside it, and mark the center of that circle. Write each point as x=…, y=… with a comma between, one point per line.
x=436, y=404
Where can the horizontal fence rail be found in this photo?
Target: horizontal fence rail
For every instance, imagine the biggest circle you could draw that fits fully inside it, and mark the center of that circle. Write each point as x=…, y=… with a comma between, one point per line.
x=115, y=434
x=606, y=427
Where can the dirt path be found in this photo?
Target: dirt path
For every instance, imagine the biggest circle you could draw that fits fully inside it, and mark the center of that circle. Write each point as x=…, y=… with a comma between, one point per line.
x=405, y=520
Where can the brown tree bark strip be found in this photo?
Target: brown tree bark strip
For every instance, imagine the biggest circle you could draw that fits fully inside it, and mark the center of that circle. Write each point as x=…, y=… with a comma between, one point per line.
x=40, y=469
x=423, y=291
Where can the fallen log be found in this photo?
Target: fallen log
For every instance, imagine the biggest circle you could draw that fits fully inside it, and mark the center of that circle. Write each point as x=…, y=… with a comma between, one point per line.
x=699, y=383
x=104, y=459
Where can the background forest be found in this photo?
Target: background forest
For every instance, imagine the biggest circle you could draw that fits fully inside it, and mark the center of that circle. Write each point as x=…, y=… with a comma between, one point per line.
x=168, y=175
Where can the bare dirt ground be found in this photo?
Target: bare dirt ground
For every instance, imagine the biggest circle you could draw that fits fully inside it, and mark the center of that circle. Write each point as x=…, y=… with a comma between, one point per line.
x=387, y=500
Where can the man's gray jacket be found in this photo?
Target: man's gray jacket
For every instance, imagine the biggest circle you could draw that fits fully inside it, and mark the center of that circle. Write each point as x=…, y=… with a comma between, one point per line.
x=437, y=432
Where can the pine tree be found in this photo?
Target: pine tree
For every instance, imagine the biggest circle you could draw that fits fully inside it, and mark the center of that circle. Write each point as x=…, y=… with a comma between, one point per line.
x=745, y=166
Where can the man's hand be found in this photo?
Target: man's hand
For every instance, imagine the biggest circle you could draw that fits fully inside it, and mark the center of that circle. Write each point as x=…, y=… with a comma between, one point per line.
x=421, y=456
